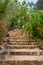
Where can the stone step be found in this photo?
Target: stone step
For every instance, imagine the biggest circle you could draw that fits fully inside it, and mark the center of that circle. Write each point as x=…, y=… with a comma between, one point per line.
x=15, y=39
x=22, y=46
x=26, y=53
x=24, y=50
x=23, y=58
x=21, y=63
x=22, y=43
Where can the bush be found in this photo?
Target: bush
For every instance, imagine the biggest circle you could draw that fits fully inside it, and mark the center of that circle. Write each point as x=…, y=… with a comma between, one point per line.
x=35, y=24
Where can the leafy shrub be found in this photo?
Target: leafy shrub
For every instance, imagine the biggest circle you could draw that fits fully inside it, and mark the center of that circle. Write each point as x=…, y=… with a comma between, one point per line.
x=34, y=25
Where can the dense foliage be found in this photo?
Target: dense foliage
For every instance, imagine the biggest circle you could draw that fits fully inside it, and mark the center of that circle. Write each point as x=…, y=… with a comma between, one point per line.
x=34, y=25
x=40, y=4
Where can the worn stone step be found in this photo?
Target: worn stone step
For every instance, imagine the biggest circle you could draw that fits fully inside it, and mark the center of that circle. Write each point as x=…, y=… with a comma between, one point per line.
x=23, y=58
x=26, y=53
x=21, y=63
x=22, y=46
x=25, y=50
x=22, y=43
x=22, y=52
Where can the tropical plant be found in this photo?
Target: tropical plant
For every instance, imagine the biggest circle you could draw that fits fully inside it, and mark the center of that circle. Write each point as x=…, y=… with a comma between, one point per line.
x=34, y=24
x=3, y=28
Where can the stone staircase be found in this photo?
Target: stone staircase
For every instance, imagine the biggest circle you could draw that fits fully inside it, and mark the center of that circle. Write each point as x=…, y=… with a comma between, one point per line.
x=20, y=52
